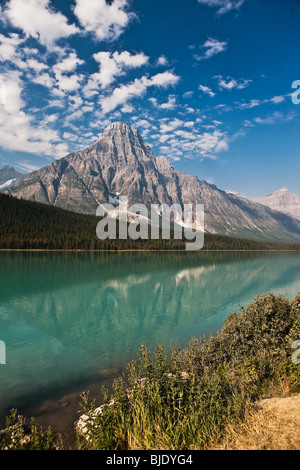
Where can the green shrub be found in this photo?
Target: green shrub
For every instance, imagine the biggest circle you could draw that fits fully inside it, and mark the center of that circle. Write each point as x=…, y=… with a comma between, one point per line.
x=186, y=400
x=164, y=406
x=18, y=436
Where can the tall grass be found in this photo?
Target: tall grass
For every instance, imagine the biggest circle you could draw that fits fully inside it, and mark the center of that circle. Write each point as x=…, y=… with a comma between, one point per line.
x=186, y=399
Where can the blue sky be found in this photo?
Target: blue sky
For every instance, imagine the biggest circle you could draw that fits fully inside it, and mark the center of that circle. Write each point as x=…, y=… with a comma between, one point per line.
x=208, y=83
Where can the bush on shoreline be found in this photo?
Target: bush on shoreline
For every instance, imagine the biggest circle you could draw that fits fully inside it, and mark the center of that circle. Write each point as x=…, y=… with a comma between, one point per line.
x=185, y=400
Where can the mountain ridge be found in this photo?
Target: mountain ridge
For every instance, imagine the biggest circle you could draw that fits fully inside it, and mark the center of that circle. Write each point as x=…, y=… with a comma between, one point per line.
x=120, y=162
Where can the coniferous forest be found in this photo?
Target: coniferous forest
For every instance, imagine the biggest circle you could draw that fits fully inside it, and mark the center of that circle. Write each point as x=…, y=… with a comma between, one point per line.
x=28, y=225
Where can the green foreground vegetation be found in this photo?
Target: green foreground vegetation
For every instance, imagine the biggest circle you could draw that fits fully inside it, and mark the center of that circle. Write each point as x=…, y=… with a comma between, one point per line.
x=186, y=399
x=27, y=225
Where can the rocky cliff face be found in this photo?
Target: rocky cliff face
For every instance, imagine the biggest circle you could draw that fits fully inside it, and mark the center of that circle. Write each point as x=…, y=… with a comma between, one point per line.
x=121, y=163
x=282, y=200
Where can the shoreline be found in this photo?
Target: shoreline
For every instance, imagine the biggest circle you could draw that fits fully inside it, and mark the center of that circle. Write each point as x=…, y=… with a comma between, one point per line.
x=60, y=411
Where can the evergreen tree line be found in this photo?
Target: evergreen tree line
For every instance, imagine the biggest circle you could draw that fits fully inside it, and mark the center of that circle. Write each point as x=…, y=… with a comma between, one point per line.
x=31, y=225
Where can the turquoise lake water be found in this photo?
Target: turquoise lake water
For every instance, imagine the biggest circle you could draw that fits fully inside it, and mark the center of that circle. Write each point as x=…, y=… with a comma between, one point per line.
x=68, y=318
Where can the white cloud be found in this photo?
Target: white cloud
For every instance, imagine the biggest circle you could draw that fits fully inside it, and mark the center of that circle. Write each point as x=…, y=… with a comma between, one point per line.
x=170, y=126
x=36, y=65
x=123, y=94
x=66, y=79
x=136, y=88
x=170, y=104
x=185, y=134
x=162, y=60
x=256, y=102
x=184, y=138
x=210, y=48
x=127, y=108
x=142, y=123
x=112, y=66
x=163, y=138
x=9, y=47
x=189, y=124
x=68, y=64
x=274, y=118
x=251, y=104
x=230, y=83
x=70, y=83
x=37, y=19
x=106, y=21
x=164, y=79
x=87, y=109
x=188, y=94
x=193, y=145
x=76, y=101
x=73, y=117
x=206, y=90
x=44, y=79
x=277, y=99
x=17, y=129
x=130, y=60
x=223, y=5
x=70, y=136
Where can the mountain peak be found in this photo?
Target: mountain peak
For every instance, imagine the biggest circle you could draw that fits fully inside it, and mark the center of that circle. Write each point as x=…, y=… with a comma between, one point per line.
x=282, y=200
x=120, y=127
x=9, y=176
x=281, y=191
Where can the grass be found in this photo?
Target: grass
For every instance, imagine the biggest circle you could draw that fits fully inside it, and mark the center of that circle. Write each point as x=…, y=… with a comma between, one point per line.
x=274, y=426
x=196, y=397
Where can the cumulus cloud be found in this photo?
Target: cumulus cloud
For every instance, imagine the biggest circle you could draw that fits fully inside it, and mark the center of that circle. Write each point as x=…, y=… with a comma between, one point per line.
x=66, y=79
x=18, y=131
x=210, y=48
x=230, y=83
x=106, y=21
x=137, y=88
x=170, y=125
x=45, y=80
x=9, y=47
x=170, y=104
x=193, y=144
x=36, y=18
x=206, y=90
x=162, y=60
x=68, y=63
x=112, y=65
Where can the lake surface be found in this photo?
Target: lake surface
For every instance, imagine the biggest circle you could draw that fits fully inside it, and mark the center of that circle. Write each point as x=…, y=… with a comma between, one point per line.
x=68, y=318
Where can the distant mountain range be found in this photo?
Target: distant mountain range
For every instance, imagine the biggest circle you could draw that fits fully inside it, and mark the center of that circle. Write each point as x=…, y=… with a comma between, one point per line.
x=121, y=163
x=9, y=177
x=282, y=200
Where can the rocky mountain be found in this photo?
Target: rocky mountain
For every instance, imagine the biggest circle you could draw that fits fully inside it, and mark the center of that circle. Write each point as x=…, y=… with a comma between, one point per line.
x=282, y=200
x=9, y=177
x=120, y=162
